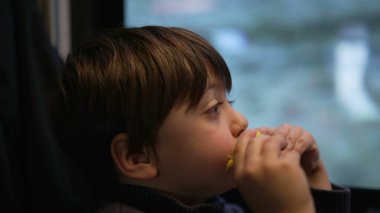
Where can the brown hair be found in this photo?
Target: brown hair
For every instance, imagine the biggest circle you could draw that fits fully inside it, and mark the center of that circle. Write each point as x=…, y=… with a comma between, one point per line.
x=127, y=80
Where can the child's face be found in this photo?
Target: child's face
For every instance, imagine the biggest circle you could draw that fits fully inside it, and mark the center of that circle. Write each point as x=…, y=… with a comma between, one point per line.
x=193, y=147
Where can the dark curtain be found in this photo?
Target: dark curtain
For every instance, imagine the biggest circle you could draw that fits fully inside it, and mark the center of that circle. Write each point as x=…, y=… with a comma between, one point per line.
x=34, y=176
x=88, y=16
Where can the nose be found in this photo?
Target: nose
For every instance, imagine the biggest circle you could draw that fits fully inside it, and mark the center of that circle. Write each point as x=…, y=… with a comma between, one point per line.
x=238, y=123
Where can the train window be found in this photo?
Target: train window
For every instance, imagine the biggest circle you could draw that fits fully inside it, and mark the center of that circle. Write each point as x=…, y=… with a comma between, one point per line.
x=308, y=63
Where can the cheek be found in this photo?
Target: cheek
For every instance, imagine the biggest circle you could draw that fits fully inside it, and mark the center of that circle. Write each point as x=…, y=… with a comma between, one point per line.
x=205, y=151
x=221, y=147
x=194, y=159
x=211, y=149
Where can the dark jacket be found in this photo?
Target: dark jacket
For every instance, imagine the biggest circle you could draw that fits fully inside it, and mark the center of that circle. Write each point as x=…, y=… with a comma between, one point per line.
x=130, y=198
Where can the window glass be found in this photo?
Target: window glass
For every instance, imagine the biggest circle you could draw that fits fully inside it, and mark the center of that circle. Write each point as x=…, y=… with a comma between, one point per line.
x=310, y=63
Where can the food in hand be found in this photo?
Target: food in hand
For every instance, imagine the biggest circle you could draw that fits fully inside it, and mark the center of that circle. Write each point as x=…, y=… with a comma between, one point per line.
x=230, y=161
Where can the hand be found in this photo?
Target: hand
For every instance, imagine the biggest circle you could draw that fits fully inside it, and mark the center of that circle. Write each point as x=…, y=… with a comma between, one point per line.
x=304, y=143
x=268, y=180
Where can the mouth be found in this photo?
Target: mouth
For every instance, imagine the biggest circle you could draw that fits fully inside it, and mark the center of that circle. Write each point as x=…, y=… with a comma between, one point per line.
x=230, y=162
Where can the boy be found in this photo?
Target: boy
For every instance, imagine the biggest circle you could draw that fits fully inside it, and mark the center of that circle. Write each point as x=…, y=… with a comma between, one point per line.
x=144, y=115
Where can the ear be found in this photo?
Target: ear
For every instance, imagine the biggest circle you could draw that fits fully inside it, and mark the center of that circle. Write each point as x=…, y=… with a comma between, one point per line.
x=136, y=165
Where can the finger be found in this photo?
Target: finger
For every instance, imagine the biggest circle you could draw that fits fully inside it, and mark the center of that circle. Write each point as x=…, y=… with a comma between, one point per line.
x=291, y=133
x=283, y=130
x=241, y=147
x=254, y=149
x=294, y=134
x=310, y=161
x=272, y=149
x=305, y=142
x=291, y=156
x=298, y=132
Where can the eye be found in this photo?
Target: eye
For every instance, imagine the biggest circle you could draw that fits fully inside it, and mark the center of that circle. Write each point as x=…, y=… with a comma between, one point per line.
x=215, y=109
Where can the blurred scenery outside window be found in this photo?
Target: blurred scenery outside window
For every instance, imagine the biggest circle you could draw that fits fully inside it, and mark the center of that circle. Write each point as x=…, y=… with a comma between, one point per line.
x=310, y=63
